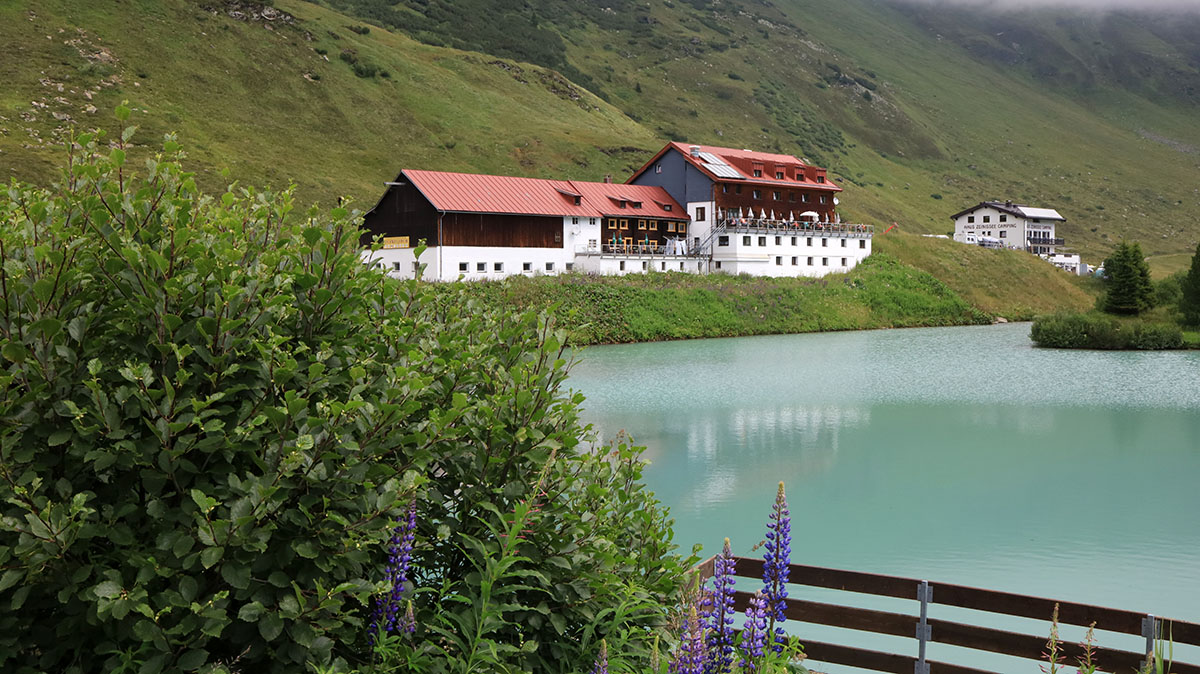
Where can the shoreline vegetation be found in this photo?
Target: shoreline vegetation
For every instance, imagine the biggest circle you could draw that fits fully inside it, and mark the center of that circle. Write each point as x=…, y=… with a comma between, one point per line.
x=881, y=292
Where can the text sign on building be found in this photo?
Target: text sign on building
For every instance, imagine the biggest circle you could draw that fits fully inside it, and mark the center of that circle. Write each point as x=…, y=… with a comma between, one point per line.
x=395, y=242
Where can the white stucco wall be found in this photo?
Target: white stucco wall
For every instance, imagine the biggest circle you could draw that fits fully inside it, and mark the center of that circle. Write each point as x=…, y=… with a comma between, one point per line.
x=803, y=254
x=1013, y=232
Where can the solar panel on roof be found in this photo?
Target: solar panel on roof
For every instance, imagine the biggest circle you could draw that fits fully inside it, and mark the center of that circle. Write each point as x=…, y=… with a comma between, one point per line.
x=723, y=170
x=711, y=158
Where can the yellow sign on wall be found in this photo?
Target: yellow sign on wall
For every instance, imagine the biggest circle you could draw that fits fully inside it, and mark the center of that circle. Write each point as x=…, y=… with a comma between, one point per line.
x=395, y=242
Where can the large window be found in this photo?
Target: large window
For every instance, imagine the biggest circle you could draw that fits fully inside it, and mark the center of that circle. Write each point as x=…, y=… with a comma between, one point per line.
x=700, y=214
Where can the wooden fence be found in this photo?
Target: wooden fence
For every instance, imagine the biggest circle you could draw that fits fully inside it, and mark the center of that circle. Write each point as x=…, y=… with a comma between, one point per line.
x=923, y=629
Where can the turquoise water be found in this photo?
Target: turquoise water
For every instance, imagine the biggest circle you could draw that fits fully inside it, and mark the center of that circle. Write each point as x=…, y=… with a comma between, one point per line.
x=960, y=455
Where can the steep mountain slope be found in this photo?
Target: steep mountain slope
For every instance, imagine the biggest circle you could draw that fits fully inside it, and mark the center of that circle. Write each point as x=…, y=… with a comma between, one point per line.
x=919, y=111
x=272, y=98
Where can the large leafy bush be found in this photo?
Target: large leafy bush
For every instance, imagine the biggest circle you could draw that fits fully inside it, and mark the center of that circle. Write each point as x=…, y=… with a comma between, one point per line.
x=211, y=412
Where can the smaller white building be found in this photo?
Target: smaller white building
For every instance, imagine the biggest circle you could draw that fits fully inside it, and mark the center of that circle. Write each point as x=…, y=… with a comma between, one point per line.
x=1067, y=262
x=1004, y=224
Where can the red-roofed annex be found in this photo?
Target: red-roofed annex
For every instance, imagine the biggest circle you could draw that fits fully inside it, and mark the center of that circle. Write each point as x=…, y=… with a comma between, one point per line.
x=678, y=213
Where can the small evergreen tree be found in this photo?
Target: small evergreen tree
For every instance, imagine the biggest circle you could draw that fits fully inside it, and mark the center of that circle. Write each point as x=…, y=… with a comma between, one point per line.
x=1189, y=303
x=1129, y=288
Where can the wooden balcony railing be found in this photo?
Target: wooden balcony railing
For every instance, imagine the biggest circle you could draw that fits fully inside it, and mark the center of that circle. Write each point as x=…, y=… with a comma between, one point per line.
x=759, y=226
x=965, y=635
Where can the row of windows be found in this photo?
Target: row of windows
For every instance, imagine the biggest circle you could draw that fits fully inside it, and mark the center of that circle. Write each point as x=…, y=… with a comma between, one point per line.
x=575, y=221
x=651, y=225
x=987, y=218
x=762, y=241
x=498, y=267
x=777, y=195
x=796, y=263
x=1003, y=233
x=662, y=265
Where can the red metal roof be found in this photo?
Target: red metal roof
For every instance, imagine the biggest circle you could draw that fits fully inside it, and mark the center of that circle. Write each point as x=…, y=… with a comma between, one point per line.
x=478, y=193
x=744, y=161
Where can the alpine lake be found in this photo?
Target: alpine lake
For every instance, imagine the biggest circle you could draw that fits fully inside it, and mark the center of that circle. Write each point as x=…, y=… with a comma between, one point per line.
x=961, y=455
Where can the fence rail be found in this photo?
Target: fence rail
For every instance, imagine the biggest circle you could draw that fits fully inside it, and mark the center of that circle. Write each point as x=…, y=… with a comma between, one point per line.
x=923, y=629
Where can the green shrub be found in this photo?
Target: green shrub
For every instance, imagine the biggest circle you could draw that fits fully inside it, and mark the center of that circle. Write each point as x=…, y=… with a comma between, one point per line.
x=1094, y=330
x=211, y=411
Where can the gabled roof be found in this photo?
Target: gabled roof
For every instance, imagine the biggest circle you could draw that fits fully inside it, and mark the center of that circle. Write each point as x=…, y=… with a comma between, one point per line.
x=511, y=195
x=1019, y=210
x=738, y=165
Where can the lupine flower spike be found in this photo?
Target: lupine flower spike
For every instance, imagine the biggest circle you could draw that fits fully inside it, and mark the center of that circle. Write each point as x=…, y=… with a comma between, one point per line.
x=690, y=658
x=776, y=564
x=718, y=614
x=601, y=666
x=754, y=632
x=387, y=617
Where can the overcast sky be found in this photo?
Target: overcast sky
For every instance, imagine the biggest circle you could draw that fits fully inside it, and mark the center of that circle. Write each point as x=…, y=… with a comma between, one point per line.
x=1191, y=5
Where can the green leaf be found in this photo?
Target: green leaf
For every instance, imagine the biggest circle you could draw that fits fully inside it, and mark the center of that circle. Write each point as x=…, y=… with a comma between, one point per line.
x=251, y=612
x=270, y=626
x=211, y=556
x=237, y=575
x=122, y=112
x=193, y=659
x=9, y=579
x=107, y=589
x=14, y=351
x=60, y=436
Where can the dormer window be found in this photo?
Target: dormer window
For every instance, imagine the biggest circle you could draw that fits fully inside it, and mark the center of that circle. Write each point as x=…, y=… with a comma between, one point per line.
x=799, y=175
x=820, y=179
x=620, y=203
x=635, y=204
x=666, y=207
x=757, y=173
x=578, y=201
x=779, y=175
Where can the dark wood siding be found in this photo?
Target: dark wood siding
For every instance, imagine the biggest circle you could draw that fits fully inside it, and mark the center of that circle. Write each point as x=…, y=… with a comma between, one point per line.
x=662, y=229
x=789, y=200
x=403, y=211
x=502, y=231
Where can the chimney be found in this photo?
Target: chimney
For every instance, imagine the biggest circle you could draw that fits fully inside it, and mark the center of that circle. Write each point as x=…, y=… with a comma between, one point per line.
x=1008, y=203
x=608, y=177
x=695, y=150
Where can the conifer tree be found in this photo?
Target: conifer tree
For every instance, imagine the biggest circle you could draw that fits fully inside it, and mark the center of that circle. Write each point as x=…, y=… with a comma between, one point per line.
x=1129, y=288
x=1189, y=303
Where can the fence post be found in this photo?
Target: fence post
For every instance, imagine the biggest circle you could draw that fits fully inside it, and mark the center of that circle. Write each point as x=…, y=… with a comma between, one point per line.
x=1150, y=631
x=924, y=631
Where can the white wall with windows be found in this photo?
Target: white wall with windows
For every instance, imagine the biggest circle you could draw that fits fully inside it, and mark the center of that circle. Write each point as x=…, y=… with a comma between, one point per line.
x=802, y=254
x=1012, y=231
x=704, y=217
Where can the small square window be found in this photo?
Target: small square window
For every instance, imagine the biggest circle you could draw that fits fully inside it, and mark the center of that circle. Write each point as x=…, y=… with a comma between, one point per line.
x=641, y=224
x=395, y=266
x=658, y=168
x=462, y=267
x=808, y=241
x=970, y=219
x=718, y=264
x=654, y=225
x=757, y=173
x=779, y=241
x=549, y=266
x=722, y=240
x=498, y=267
x=757, y=194
x=800, y=175
x=824, y=243
x=682, y=228
x=612, y=224
x=823, y=198
x=862, y=243
x=724, y=189
x=824, y=262
x=795, y=260
x=794, y=240
x=820, y=179
x=526, y=266
x=779, y=260
x=987, y=218
x=1004, y=234
x=843, y=262
x=843, y=243
x=779, y=175
x=746, y=241
x=777, y=195
x=481, y=267
x=670, y=226
x=804, y=198
x=810, y=262
x=591, y=221
x=574, y=221
x=1003, y=218
x=569, y=266
x=624, y=223
x=762, y=240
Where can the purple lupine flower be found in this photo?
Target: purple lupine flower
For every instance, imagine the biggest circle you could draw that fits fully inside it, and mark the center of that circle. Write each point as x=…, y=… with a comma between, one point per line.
x=776, y=564
x=718, y=614
x=690, y=658
x=754, y=632
x=386, y=617
x=601, y=665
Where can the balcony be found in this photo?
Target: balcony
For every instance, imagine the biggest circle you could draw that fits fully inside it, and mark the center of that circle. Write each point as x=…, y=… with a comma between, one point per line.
x=763, y=226
x=1044, y=242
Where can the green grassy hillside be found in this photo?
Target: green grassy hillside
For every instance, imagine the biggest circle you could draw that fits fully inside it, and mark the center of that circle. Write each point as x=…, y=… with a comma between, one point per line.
x=914, y=115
